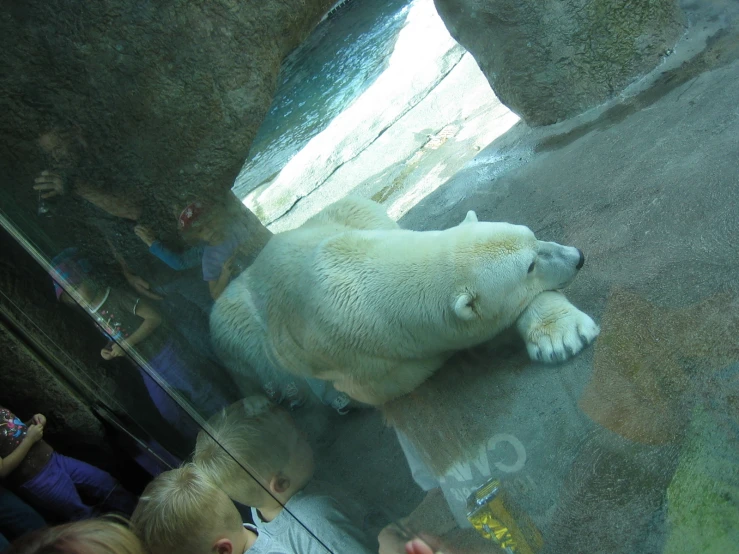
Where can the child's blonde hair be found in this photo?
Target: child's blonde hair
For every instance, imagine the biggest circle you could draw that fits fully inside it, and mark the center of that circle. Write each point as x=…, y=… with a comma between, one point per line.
x=99, y=536
x=248, y=438
x=182, y=511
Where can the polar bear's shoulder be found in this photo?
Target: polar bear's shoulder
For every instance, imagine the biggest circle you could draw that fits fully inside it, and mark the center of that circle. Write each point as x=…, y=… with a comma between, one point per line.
x=354, y=212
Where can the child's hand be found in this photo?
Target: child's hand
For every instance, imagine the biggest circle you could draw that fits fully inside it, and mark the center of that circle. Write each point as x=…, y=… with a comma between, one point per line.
x=418, y=546
x=39, y=419
x=110, y=352
x=145, y=234
x=49, y=184
x=391, y=540
x=141, y=285
x=228, y=266
x=35, y=433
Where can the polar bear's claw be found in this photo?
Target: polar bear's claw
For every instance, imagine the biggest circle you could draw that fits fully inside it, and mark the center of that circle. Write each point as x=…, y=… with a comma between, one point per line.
x=567, y=336
x=556, y=331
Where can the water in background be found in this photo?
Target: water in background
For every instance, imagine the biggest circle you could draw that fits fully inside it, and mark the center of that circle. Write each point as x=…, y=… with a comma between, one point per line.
x=319, y=80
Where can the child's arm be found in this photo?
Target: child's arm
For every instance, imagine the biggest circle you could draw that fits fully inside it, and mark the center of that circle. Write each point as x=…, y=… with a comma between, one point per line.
x=152, y=320
x=192, y=257
x=37, y=419
x=34, y=434
x=141, y=286
x=218, y=286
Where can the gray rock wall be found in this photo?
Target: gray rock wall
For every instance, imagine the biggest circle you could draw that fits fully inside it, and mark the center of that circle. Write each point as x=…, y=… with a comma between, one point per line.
x=548, y=61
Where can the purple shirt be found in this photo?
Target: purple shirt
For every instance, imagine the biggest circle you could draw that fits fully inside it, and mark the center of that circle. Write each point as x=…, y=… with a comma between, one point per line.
x=215, y=256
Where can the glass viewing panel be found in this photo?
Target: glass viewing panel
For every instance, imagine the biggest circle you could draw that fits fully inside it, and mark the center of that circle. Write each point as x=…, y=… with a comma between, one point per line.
x=468, y=383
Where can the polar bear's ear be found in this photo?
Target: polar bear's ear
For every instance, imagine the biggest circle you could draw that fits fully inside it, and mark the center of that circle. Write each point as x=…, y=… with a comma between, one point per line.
x=464, y=307
x=470, y=218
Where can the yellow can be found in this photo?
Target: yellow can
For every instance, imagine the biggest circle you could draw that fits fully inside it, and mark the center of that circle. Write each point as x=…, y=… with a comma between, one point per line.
x=491, y=512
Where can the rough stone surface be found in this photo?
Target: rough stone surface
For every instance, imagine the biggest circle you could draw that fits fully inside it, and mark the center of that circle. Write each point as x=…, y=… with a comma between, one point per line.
x=548, y=61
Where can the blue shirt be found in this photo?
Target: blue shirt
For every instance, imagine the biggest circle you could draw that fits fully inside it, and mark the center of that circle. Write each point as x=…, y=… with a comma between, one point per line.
x=179, y=261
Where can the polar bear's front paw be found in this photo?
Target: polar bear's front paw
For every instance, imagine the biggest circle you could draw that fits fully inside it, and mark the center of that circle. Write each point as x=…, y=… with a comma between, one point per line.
x=563, y=338
x=554, y=330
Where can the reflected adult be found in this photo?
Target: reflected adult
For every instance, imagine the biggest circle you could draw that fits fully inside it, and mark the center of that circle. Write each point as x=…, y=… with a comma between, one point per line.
x=64, y=149
x=73, y=173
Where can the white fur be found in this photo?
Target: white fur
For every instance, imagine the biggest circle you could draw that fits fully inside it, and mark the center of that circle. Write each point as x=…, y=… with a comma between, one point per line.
x=351, y=298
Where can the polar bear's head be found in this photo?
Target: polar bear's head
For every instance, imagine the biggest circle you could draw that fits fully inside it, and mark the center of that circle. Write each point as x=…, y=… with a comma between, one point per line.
x=509, y=268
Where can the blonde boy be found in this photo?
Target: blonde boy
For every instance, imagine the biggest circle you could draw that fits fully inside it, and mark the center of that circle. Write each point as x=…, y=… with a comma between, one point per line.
x=183, y=512
x=257, y=455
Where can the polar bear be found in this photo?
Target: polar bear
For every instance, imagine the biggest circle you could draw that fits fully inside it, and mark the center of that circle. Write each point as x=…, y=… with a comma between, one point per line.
x=351, y=298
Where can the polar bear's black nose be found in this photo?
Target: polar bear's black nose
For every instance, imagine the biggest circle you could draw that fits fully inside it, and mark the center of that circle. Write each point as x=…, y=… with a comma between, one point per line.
x=581, y=261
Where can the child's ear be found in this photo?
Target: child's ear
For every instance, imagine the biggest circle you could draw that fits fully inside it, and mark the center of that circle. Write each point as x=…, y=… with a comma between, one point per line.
x=279, y=483
x=223, y=546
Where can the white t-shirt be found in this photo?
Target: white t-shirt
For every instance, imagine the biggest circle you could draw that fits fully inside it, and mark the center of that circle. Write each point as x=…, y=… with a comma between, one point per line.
x=313, y=522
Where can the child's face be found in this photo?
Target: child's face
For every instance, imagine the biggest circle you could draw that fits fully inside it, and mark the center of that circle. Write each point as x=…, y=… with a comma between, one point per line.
x=84, y=290
x=237, y=539
x=244, y=540
x=210, y=234
x=301, y=465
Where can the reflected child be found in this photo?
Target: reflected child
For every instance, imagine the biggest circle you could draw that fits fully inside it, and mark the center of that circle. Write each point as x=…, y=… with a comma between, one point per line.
x=133, y=320
x=292, y=512
x=183, y=512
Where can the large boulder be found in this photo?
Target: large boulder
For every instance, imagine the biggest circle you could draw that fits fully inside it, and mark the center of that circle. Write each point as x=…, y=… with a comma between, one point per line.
x=548, y=61
x=167, y=95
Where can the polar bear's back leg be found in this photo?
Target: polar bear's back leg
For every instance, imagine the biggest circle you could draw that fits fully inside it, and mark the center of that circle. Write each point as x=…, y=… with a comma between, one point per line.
x=237, y=334
x=386, y=384
x=355, y=212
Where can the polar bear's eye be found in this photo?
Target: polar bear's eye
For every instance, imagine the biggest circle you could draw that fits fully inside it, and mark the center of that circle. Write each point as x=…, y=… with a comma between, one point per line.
x=531, y=267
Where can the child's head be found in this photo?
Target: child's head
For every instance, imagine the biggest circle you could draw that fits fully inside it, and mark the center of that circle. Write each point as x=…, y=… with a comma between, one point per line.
x=94, y=536
x=70, y=268
x=202, y=222
x=184, y=512
x=256, y=435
